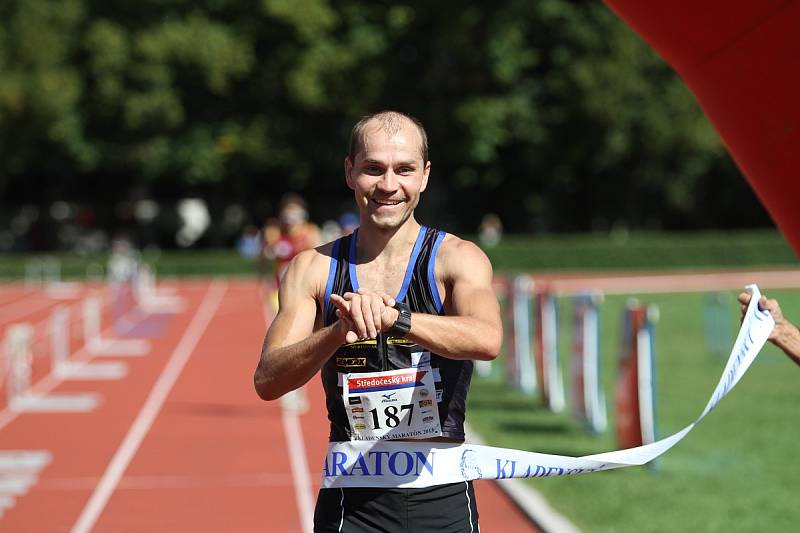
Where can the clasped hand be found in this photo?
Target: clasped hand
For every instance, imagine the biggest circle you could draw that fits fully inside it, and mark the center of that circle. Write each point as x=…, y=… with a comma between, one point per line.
x=363, y=314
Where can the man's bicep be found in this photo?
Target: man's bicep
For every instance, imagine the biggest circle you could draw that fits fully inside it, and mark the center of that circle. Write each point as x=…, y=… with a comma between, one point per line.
x=473, y=294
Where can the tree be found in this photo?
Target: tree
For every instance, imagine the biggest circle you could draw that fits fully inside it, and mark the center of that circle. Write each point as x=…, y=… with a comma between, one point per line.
x=551, y=112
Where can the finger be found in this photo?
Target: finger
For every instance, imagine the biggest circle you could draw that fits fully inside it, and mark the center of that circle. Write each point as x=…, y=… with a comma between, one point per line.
x=387, y=299
x=345, y=318
x=377, y=312
x=763, y=303
x=388, y=318
x=744, y=298
x=340, y=303
x=357, y=316
x=369, y=319
x=351, y=337
x=348, y=296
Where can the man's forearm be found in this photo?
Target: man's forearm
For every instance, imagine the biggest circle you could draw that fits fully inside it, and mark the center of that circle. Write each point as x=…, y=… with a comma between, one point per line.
x=286, y=368
x=456, y=337
x=789, y=342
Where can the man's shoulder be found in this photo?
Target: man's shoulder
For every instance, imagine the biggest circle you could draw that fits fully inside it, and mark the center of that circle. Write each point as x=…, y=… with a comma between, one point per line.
x=460, y=255
x=313, y=260
x=454, y=246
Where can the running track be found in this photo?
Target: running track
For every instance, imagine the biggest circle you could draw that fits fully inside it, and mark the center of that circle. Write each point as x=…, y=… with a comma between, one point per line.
x=182, y=443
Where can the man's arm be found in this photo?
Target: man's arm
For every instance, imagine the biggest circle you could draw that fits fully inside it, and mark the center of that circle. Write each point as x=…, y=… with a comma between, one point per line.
x=785, y=335
x=472, y=327
x=292, y=352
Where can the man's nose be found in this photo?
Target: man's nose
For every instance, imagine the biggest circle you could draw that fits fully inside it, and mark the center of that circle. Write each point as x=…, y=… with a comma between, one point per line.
x=389, y=181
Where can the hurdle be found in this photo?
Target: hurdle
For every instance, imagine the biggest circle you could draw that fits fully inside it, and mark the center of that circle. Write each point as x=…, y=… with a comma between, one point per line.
x=97, y=344
x=19, y=471
x=61, y=365
x=635, y=394
x=153, y=300
x=19, y=362
x=46, y=272
x=588, y=401
x=525, y=378
x=545, y=348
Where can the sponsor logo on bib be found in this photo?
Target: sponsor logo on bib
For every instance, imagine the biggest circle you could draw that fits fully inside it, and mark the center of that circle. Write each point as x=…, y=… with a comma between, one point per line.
x=351, y=362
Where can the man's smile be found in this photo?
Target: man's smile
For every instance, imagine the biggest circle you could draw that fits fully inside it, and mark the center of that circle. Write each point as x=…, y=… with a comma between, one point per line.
x=387, y=203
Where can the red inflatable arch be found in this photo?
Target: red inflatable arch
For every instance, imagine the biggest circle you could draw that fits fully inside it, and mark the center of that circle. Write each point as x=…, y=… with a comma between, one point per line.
x=741, y=59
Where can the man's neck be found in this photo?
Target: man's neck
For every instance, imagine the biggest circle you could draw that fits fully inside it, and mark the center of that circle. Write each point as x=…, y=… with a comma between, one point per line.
x=388, y=244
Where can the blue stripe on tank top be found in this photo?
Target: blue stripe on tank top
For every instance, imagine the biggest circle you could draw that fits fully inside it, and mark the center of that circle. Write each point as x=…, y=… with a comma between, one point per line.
x=351, y=259
x=331, y=276
x=411, y=262
x=437, y=300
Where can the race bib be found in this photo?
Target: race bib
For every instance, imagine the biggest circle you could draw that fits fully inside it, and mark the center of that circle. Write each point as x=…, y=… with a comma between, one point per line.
x=395, y=404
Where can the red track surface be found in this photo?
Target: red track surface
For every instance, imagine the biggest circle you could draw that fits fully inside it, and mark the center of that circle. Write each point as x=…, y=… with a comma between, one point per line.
x=182, y=443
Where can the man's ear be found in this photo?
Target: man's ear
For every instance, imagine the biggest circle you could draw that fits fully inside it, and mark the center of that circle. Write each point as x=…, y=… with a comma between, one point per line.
x=425, y=173
x=348, y=171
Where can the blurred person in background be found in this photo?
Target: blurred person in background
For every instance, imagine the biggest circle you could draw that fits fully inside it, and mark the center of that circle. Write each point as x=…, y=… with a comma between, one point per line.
x=269, y=235
x=491, y=230
x=349, y=222
x=785, y=335
x=330, y=231
x=249, y=242
x=294, y=234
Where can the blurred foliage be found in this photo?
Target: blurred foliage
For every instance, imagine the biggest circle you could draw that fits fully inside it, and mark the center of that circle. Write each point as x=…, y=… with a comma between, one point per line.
x=552, y=112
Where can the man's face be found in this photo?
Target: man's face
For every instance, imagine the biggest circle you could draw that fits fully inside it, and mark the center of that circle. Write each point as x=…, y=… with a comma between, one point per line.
x=388, y=175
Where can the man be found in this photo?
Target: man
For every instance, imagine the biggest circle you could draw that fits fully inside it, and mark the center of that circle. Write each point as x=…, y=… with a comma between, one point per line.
x=394, y=294
x=785, y=335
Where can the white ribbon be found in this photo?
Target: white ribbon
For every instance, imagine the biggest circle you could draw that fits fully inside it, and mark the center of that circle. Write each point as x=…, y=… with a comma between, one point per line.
x=424, y=464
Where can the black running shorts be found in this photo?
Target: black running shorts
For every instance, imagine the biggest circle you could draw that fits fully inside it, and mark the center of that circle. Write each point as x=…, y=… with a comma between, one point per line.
x=440, y=509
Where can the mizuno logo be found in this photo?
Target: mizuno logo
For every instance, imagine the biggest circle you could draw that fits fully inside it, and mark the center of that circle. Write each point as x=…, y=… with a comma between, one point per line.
x=389, y=397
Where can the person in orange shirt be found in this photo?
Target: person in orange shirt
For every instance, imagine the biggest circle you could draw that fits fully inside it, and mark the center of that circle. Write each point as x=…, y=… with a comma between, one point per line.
x=296, y=234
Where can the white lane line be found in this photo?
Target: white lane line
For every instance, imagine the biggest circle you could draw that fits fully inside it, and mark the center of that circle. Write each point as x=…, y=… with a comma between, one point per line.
x=266, y=479
x=295, y=445
x=297, y=458
x=155, y=400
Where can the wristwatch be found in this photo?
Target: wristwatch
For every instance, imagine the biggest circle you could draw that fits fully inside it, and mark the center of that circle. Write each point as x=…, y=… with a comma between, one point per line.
x=402, y=325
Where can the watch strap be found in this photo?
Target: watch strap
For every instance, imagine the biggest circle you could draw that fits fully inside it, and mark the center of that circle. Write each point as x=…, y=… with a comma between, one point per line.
x=401, y=326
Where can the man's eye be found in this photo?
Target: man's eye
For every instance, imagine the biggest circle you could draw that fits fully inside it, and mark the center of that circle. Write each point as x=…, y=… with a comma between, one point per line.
x=373, y=170
x=406, y=170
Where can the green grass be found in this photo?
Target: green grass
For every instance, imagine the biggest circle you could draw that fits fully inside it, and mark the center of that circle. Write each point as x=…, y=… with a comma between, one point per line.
x=167, y=263
x=737, y=471
x=642, y=250
x=576, y=252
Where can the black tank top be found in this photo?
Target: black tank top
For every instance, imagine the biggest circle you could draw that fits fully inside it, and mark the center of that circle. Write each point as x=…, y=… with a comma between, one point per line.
x=452, y=377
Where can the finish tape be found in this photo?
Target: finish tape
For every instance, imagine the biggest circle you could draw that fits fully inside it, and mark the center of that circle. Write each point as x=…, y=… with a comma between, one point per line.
x=408, y=464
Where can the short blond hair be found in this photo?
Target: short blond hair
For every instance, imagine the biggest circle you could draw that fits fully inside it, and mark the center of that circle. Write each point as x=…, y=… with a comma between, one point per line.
x=390, y=122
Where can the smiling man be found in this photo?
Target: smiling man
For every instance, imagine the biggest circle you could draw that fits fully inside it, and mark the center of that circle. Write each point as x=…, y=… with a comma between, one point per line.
x=393, y=315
